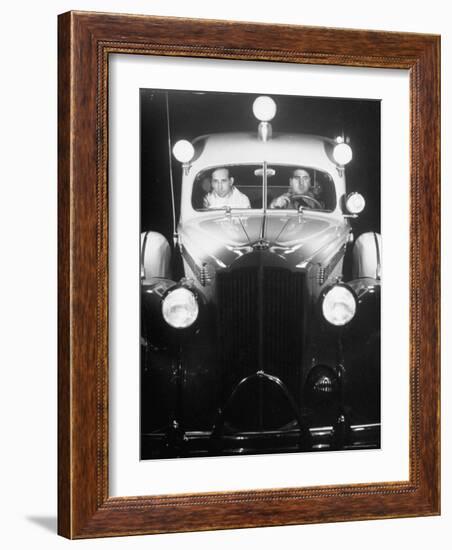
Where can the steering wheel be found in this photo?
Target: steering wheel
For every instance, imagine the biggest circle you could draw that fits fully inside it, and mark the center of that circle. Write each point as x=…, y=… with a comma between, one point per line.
x=307, y=199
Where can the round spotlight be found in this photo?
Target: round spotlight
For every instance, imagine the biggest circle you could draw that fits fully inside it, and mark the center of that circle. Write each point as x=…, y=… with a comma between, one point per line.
x=342, y=153
x=264, y=108
x=180, y=308
x=355, y=203
x=339, y=305
x=183, y=150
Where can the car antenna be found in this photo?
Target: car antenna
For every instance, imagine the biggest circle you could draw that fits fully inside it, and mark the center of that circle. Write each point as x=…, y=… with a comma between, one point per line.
x=173, y=202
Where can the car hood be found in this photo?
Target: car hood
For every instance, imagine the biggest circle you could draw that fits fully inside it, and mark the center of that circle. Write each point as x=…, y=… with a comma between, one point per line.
x=292, y=236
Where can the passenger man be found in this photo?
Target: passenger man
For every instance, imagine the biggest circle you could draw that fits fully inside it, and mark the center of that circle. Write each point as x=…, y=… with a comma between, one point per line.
x=224, y=193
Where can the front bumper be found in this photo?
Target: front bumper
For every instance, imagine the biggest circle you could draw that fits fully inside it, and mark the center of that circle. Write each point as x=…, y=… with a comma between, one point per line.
x=176, y=443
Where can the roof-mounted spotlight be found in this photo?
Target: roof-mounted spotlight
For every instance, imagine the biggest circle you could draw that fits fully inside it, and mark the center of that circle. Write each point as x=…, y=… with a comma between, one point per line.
x=342, y=152
x=184, y=152
x=264, y=109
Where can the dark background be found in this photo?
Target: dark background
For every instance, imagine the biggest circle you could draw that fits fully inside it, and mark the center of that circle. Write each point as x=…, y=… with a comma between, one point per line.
x=196, y=113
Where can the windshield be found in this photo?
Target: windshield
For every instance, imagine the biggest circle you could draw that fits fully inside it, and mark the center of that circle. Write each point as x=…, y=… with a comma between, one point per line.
x=243, y=187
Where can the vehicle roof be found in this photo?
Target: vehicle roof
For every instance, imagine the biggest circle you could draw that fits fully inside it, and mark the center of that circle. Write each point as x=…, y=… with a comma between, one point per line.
x=246, y=147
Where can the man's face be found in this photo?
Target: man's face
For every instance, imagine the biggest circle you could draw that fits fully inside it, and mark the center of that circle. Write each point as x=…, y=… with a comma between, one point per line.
x=300, y=182
x=221, y=182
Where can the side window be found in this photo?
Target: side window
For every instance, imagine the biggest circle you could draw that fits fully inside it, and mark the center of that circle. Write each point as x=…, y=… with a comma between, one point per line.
x=201, y=187
x=323, y=189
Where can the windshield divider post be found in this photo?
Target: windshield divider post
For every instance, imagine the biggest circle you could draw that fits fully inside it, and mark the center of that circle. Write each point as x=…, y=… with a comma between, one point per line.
x=264, y=202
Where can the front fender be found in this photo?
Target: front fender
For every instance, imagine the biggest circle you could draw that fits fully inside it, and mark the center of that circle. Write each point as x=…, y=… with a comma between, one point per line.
x=155, y=256
x=367, y=256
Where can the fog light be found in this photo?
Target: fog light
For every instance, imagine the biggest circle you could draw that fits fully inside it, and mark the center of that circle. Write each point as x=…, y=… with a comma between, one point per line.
x=180, y=308
x=355, y=203
x=321, y=385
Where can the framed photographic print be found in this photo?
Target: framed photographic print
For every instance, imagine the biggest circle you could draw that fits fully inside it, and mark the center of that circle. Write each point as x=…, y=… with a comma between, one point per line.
x=244, y=345
x=248, y=275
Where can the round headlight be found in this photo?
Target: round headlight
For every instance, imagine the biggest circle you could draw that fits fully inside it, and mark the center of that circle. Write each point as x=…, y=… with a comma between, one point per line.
x=180, y=308
x=264, y=108
x=183, y=150
x=339, y=305
x=342, y=153
x=355, y=203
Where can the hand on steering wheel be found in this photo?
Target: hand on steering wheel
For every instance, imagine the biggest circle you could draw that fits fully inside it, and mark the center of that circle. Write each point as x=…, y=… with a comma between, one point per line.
x=307, y=199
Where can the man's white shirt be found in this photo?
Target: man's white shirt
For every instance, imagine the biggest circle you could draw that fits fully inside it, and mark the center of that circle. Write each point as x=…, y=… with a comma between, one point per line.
x=235, y=199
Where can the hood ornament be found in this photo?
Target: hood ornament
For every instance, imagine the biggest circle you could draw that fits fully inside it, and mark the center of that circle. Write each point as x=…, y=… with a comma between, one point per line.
x=261, y=244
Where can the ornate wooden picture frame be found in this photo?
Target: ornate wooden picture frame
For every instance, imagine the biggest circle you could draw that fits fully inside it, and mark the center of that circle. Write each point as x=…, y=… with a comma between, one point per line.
x=86, y=40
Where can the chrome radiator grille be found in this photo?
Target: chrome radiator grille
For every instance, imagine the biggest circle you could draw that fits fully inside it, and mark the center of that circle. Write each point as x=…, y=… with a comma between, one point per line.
x=260, y=323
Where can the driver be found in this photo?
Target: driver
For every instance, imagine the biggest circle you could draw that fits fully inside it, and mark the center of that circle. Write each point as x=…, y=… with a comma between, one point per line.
x=299, y=184
x=224, y=193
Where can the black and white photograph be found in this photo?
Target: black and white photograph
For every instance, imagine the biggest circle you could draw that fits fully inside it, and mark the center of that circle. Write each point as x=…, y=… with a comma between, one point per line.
x=260, y=274
x=201, y=202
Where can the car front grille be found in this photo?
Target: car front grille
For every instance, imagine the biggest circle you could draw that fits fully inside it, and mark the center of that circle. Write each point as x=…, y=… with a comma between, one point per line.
x=260, y=323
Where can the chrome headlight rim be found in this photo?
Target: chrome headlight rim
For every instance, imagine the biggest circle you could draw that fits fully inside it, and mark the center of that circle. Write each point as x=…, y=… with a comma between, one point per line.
x=322, y=303
x=191, y=300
